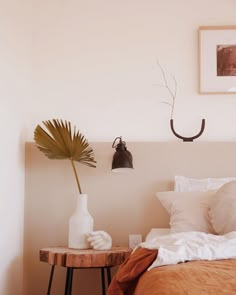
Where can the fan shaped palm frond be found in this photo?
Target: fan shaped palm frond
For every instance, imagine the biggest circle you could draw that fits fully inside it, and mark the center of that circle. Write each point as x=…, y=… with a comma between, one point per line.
x=61, y=143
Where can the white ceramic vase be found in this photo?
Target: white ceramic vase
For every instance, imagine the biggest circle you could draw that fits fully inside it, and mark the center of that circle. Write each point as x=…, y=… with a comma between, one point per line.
x=80, y=224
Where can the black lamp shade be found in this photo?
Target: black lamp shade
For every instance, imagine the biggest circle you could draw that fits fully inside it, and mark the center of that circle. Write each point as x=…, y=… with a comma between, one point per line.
x=122, y=157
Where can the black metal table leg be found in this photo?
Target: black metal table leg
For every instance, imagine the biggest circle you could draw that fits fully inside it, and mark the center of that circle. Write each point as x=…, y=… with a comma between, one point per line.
x=108, y=276
x=69, y=280
x=103, y=281
x=50, y=279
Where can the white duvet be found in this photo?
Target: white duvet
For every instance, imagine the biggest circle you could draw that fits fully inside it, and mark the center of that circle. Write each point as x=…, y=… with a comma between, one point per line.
x=187, y=246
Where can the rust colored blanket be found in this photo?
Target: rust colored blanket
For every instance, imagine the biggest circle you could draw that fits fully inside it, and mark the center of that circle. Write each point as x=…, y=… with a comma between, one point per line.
x=127, y=276
x=194, y=277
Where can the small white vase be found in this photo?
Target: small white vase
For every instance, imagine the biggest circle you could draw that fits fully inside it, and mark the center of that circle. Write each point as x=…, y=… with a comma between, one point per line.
x=80, y=224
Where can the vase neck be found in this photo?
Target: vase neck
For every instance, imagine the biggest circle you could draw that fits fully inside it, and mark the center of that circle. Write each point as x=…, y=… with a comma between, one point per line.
x=82, y=203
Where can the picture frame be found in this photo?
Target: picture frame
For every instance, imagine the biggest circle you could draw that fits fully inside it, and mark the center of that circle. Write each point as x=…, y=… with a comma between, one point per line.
x=217, y=59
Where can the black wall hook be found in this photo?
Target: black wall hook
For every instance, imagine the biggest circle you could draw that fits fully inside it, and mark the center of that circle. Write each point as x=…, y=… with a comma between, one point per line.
x=187, y=138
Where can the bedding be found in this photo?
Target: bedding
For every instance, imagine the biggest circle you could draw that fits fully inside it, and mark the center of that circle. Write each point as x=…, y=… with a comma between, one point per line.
x=157, y=232
x=182, y=263
x=223, y=208
x=188, y=246
x=188, y=210
x=191, y=278
x=188, y=184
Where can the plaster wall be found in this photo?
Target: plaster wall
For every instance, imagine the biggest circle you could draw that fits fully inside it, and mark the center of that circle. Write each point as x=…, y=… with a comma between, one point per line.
x=121, y=204
x=15, y=90
x=95, y=64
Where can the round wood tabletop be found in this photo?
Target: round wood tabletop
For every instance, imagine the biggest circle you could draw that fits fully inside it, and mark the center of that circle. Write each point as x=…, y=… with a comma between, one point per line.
x=68, y=257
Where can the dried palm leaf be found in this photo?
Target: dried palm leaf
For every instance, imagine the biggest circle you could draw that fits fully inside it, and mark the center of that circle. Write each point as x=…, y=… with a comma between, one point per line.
x=60, y=142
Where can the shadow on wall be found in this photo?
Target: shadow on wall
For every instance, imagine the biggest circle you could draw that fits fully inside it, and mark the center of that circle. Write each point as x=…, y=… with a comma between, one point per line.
x=14, y=283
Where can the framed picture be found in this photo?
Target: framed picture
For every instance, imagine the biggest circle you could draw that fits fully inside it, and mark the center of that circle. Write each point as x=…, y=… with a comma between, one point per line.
x=217, y=59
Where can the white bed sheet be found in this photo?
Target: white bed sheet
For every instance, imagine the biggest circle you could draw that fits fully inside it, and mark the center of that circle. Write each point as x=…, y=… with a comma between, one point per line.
x=188, y=246
x=157, y=232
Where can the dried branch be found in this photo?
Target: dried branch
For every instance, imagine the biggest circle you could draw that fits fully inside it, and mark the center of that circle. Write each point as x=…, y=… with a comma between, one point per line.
x=172, y=93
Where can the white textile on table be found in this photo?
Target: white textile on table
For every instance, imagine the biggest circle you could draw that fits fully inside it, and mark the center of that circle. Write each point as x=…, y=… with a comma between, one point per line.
x=187, y=246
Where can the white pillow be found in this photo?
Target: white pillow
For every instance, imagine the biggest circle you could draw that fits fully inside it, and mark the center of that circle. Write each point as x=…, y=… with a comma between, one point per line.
x=188, y=210
x=156, y=232
x=223, y=209
x=187, y=184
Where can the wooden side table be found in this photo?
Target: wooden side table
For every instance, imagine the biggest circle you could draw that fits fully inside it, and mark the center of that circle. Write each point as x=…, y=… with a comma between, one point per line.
x=74, y=259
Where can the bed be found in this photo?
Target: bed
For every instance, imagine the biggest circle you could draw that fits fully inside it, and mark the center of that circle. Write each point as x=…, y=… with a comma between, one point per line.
x=197, y=255
x=194, y=277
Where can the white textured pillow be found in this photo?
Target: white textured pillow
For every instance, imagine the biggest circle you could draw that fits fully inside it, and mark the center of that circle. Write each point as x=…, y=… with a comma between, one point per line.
x=188, y=210
x=223, y=209
x=187, y=184
x=157, y=232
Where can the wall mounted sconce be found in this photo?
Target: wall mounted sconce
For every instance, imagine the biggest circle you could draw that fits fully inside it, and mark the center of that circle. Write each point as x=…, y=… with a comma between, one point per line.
x=122, y=158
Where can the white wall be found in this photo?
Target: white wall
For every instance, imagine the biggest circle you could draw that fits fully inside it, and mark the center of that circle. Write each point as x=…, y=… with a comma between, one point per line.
x=95, y=64
x=12, y=203
x=15, y=88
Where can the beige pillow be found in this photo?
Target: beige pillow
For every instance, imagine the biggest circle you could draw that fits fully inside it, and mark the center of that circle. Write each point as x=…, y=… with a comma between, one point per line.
x=188, y=210
x=222, y=210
